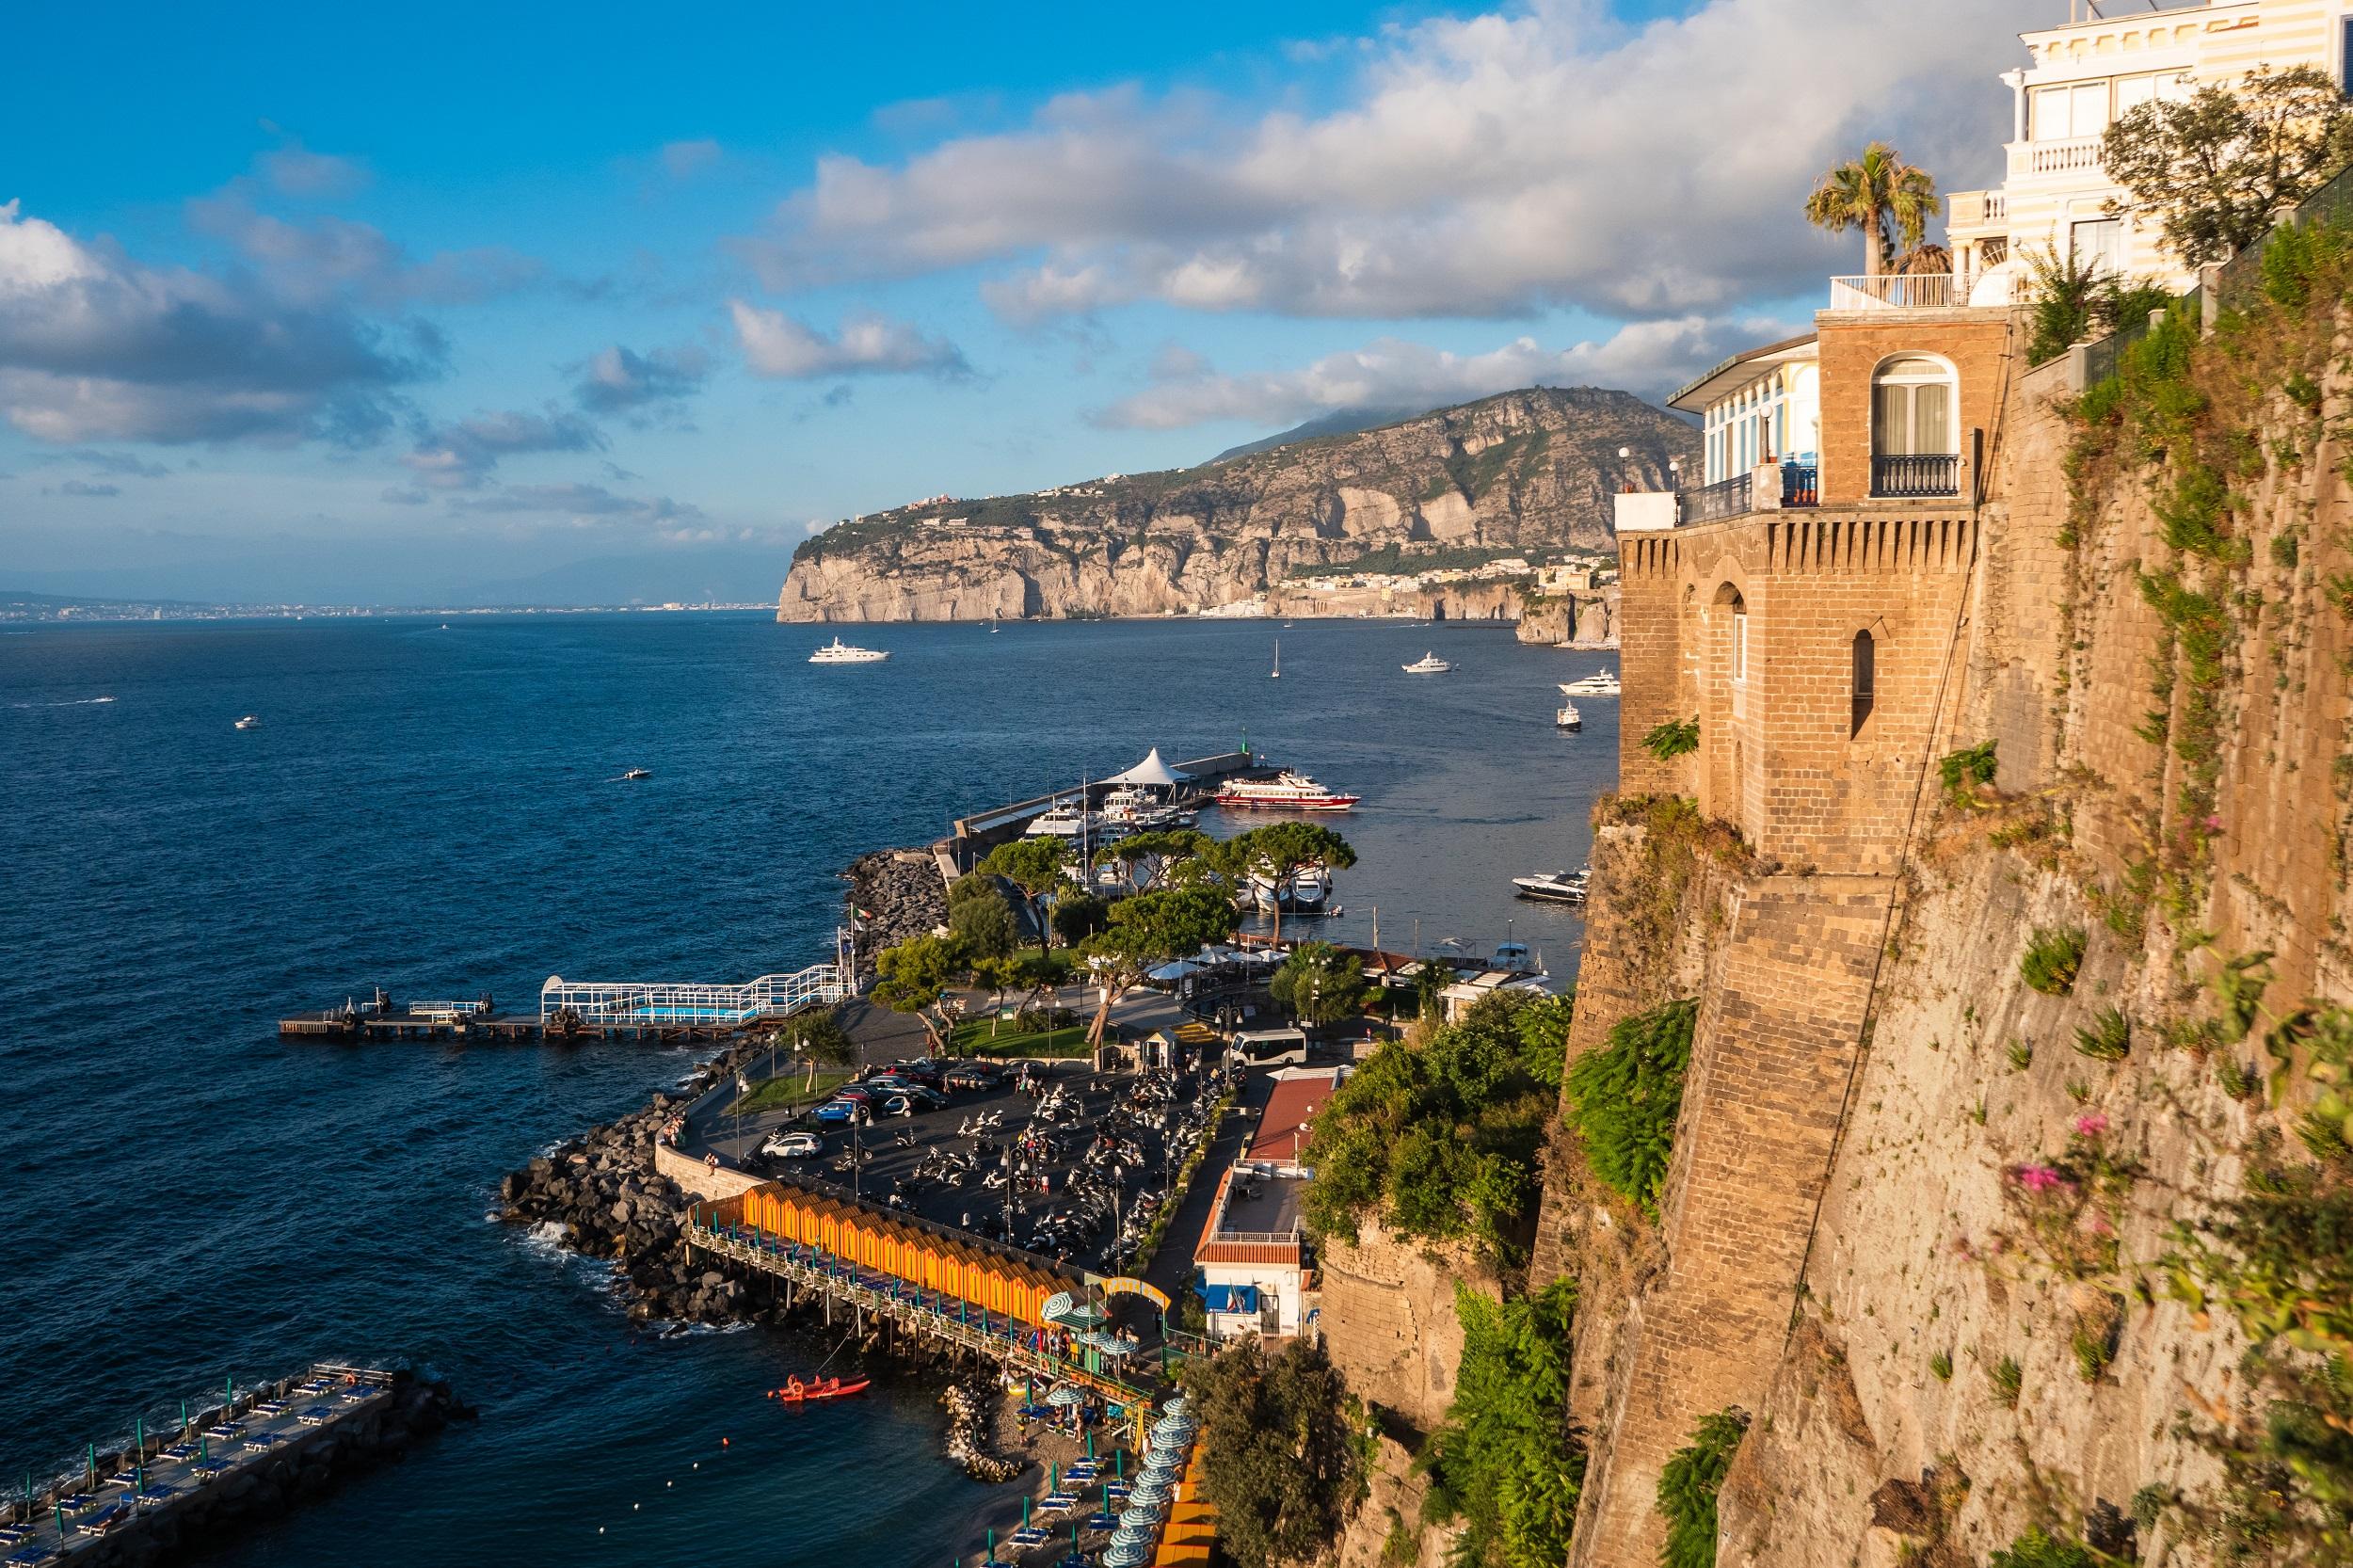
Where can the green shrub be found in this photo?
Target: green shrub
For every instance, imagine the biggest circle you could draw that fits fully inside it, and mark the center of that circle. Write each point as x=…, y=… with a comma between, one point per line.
x=1940, y=1365
x=1284, y=1467
x=2054, y=957
x=1964, y=772
x=2107, y=1038
x=2008, y=1377
x=1505, y=1462
x=1625, y=1098
x=2093, y=1349
x=1688, y=1487
x=2021, y=1056
x=2035, y=1549
x=1672, y=738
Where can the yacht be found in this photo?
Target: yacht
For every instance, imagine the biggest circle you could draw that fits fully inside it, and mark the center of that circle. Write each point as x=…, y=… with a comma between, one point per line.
x=1071, y=821
x=1135, y=807
x=1429, y=663
x=1302, y=892
x=840, y=652
x=1599, y=684
x=1553, y=886
x=250, y=722
x=636, y=773
x=1568, y=718
x=1285, y=791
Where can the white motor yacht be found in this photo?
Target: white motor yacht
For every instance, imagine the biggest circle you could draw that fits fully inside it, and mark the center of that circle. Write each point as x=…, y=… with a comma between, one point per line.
x=1302, y=892
x=840, y=652
x=250, y=722
x=1429, y=663
x=1553, y=886
x=1599, y=684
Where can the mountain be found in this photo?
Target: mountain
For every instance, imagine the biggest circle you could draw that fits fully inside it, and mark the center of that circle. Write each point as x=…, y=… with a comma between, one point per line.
x=1533, y=469
x=1339, y=421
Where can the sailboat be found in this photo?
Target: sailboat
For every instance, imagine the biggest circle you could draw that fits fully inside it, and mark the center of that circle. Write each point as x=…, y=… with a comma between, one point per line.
x=1278, y=661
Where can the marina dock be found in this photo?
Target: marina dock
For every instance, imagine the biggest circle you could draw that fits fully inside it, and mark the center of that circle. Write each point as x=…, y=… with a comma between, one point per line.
x=227, y=1461
x=973, y=835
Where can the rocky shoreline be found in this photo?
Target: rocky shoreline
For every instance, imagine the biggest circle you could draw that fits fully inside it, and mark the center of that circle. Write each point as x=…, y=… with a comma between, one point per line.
x=895, y=894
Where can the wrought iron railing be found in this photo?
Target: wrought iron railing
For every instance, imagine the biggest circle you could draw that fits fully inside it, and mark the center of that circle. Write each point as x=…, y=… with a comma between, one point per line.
x=1725, y=498
x=1801, y=485
x=1916, y=474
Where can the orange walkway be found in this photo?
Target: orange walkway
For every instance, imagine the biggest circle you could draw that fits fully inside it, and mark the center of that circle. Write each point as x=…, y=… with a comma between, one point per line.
x=1192, y=1528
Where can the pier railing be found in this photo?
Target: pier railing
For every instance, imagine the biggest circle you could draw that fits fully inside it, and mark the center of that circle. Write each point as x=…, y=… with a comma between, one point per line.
x=771, y=996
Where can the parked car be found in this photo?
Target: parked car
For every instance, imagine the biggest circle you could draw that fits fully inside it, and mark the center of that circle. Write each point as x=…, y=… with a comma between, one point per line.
x=838, y=1110
x=972, y=1074
x=794, y=1145
x=924, y=1071
x=863, y=1093
x=925, y=1099
x=896, y=1105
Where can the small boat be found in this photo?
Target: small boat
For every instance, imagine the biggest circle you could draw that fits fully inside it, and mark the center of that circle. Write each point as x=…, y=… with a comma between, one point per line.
x=840, y=652
x=250, y=722
x=1278, y=661
x=1599, y=684
x=1429, y=663
x=636, y=773
x=1553, y=886
x=797, y=1392
x=1568, y=718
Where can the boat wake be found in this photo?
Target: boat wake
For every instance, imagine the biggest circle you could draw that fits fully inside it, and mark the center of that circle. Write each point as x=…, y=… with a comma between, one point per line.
x=69, y=702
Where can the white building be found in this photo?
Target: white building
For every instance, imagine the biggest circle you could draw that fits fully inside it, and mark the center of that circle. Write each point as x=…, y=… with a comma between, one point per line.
x=2080, y=78
x=1253, y=1256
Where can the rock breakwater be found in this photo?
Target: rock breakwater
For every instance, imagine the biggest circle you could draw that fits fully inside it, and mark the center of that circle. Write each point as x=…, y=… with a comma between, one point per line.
x=896, y=894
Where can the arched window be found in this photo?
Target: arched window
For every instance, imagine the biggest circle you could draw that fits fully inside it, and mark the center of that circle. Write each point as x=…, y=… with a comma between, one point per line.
x=1915, y=442
x=1866, y=682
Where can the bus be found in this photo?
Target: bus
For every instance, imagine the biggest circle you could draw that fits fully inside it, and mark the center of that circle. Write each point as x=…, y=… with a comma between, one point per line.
x=1269, y=1047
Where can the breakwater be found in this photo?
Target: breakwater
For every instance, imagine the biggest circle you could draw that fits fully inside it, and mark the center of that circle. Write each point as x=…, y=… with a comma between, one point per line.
x=246, y=1459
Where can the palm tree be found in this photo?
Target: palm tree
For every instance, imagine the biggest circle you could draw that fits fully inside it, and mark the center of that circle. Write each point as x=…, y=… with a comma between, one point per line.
x=1875, y=192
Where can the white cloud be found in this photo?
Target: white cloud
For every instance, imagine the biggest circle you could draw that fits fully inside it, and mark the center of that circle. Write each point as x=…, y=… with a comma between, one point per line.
x=1543, y=156
x=460, y=456
x=620, y=380
x=787, y=348
x=294, y=170
x=95, y=347
x=1650, y=356
x=327, y=258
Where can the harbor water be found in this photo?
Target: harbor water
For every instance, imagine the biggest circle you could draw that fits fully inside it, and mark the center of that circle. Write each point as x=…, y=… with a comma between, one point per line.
x=439, y=811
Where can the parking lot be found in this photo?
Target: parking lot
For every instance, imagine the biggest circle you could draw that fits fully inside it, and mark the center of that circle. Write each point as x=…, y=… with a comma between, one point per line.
x=1058, y=1159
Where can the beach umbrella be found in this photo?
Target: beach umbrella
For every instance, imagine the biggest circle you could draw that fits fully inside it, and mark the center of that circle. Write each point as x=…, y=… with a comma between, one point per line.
x=1084, y=1314
x=1121, y=1555
x=1143, y=1516
x=1149, y=1494
x=1056, y=1304
x=1174, y=1428
x=1131, y=1535
x=1065, y=1394
x=1175, y=1404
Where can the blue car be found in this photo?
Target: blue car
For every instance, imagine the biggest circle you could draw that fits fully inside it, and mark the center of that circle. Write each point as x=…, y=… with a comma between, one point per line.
x=835, y=1111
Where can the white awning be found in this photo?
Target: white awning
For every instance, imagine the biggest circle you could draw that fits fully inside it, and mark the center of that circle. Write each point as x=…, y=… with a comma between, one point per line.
x=1152, y=772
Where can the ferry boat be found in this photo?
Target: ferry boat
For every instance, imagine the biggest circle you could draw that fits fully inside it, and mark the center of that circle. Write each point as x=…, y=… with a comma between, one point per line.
x=840, y=652
x=1568, y=718
x=1286, y=791
x=250, y=722
x=1429, y=663
x=1599, y=684
x=1553, y=886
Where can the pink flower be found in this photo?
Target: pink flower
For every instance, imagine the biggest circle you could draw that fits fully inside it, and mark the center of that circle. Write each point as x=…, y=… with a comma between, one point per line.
x=2038, y=1178
x=2091, y=1126
x=2213, y=824
x=2099, y=1225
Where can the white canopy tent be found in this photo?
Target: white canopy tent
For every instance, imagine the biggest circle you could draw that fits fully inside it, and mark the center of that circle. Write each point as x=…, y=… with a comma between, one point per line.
x=1151, y=774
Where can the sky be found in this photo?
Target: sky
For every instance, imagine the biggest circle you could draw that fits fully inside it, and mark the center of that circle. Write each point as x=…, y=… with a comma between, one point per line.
x=396, y=305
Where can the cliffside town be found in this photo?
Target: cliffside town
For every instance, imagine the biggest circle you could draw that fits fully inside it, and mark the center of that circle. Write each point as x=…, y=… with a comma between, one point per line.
x=1525, y=472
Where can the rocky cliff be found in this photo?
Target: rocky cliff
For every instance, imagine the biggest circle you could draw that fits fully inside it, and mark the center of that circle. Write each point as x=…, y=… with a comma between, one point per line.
x=1525, y=471
x=2085, y=1046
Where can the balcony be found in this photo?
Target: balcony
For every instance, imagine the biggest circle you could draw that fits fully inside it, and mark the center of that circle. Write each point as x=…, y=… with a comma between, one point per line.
x=1890, y=290
x=1801, y=486
x=2074, y=155
x=1970, y=209
x=1915, y=476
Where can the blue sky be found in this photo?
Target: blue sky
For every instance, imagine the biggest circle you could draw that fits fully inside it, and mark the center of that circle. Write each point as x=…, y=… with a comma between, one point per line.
x=352, y=306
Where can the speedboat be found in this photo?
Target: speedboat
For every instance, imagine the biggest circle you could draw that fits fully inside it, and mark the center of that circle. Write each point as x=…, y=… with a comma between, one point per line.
x=1285, y=791
x=1553, y=886
x=250, y=722
x=637, y=773
x=1568, y=717
x=1599, y=684
x=840, y=652
x=1514, y=958
x=1429, y=663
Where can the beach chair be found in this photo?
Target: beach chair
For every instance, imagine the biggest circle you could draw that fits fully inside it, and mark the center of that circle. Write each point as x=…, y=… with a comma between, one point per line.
x=177, y=1452
x=208, y=1468
x=272, y=1407
x=39, y=1551
x=228, y=1432
x=123, y=1477
x=261, y=1442
x=316, y=1416
x=105, y=1519
x=14, y=1535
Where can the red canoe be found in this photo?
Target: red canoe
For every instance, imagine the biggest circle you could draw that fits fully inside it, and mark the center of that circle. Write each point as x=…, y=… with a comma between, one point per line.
x=797, y=1392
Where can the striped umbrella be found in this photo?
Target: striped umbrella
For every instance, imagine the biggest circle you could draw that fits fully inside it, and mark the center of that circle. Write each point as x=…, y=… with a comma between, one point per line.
x=1084, y=1314
x=1175, y=1404
x=1162, y=1467
x=1139, y=1534
x=1065, y=1394
x=1150, y=1493
x=1056, y=1304
x=1174, y=1428
x=1125, y=1555
x=1142, y=1516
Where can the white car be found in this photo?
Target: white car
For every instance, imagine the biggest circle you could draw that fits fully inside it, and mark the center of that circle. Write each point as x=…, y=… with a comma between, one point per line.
x=793, y=1146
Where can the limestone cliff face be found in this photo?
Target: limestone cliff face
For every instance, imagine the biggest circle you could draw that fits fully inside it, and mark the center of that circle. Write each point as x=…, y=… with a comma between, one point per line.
x=1958, y=1353
x=1531, y=470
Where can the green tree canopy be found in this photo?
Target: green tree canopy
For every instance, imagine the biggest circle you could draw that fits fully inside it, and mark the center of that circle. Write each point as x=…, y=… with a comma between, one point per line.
x=1880, y=194
x=1319, y=984
x=1151, y=929
x=1280, y=851
x=982, y=923
x=1035, y=866
x=2217, y=166
x=820, y=1036
x=1284, y=1467
x=914, y=977
x=1504, y=1462
x=1079, y=916
x=1154, y=860
x=1625, y=1098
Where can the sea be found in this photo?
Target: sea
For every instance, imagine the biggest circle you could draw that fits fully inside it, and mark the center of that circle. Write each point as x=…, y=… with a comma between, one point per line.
x=437, y=809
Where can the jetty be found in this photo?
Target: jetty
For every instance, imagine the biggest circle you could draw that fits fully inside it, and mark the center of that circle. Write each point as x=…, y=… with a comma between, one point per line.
x=232, y=1459
x=973, y=835
x=660, y=1011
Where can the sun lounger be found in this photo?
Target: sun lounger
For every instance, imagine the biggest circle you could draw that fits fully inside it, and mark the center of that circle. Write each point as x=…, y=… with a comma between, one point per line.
x=228, y=1432
x=1102, y=1521
x=261, y=1442
x=1030, y=1535
x=1115, y=1492
x=77, y=1502
x=208, y=1468
x=39, y=1551
x=316, y=1415
x=14, y=1535
x=123, y=1477
x=272, y=1407
x=104, y=1519
x=1057, y=1502
x=178, y=1451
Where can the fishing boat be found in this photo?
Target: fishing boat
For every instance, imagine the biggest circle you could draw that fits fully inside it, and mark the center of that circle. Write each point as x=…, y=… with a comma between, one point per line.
x=1286, y=791
x=1553, y=886
x=840, y=652
x=818, y=1389
x=1429, y=663
x=1568, y=718
x=250, y=722
x=1599, y=684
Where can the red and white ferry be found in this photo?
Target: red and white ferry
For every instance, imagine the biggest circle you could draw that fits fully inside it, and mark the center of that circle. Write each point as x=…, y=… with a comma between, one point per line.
x=1285, y=791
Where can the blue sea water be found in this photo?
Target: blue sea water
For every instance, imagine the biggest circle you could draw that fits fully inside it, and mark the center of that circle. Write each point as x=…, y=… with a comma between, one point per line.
x=185, y=1198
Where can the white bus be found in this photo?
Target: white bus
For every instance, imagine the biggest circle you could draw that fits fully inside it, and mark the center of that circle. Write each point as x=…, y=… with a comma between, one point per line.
x=1270, y=1047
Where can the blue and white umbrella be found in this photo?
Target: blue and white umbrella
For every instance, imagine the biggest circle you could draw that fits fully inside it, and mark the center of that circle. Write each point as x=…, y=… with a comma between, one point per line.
x=1066, y=1395
x=1141, y=1516
x=1129, y=1554
x=1056, y=1304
